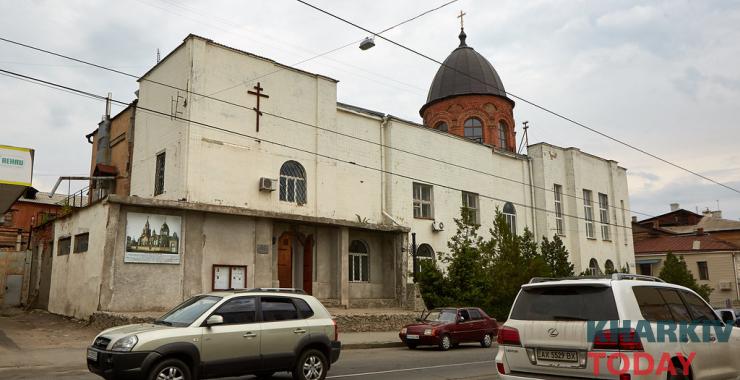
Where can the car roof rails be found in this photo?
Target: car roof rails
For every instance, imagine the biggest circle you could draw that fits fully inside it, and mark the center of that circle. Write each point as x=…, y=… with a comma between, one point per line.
x=536, y=280
x=274, y=290
x=630, y=276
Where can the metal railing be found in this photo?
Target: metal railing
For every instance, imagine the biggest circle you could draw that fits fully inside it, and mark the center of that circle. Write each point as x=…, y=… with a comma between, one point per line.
x=79, y=198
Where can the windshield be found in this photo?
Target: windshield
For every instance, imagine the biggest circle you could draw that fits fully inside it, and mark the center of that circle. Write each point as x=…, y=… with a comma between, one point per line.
x=187, y=312
x=565, y=303
x=441, y=316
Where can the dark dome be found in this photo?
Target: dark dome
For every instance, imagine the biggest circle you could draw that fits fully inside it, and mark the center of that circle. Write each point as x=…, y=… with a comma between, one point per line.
x=465, y=72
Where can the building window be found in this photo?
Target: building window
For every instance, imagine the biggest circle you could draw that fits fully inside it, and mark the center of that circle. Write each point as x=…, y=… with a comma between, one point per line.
x=588, y=212
x=441, y=126
x=593, y=267
x=474, y=129
x=609, y=267
x=558, y=191
x=293, y=183
x=423, y=202
x=81, y=242
x=470, y=203
x=503, y=133
x=703, y=270
x=604, y=216
x=510, y=215
x=359, y=270
x=646, y=269
x=64, y=245
x=424, y=252
x=159, y=174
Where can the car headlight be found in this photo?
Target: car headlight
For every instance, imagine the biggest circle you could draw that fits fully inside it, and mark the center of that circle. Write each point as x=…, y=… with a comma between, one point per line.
x=403, y=330
x=428, y=332
x=125, y=344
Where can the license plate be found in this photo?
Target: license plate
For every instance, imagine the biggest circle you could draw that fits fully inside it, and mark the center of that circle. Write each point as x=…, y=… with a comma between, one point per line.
x=555, y=355
x=92, y=355
x=412, y=336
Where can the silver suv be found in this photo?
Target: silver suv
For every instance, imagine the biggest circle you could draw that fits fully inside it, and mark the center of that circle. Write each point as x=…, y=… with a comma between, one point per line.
x=626, y=327
x=252, y=332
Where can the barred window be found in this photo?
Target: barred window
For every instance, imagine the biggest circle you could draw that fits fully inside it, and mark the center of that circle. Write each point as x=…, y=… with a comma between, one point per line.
x=293, y=183
x=510, y=215
x=359, y=270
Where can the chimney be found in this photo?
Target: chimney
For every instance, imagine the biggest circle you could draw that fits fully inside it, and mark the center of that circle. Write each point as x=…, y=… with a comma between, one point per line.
x=699, y=231
x=102, y=156
x=634, y=219
x=675, y=207
x=717, y=214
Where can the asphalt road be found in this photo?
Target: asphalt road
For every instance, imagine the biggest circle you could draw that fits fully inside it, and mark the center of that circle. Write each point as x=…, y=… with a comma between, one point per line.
x=465, y=362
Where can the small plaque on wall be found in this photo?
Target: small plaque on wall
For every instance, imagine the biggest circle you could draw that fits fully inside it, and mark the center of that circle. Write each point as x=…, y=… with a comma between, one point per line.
x=263, y=249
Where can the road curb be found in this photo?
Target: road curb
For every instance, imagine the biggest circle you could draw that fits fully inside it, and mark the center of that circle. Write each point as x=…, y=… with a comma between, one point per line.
x=365, y=346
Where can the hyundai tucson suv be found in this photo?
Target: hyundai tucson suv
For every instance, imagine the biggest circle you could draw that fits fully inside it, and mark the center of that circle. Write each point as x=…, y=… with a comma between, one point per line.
x=625, y=327
x=254, y=332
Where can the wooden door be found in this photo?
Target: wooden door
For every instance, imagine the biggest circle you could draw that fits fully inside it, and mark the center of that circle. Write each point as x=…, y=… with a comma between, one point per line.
x=285, y=260
x=308, y=265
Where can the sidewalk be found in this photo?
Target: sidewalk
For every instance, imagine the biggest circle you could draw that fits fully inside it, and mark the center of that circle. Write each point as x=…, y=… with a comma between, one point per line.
x=365, y=340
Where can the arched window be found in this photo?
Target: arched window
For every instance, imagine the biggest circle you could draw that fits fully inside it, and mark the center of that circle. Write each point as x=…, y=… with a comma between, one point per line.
x=593, y=266
x=609, y=267
x=441, y=126
x=503, y=133
x=359, y=264
x=510, y=215
x=293, y=183
x=474, y=129
x=423, y=252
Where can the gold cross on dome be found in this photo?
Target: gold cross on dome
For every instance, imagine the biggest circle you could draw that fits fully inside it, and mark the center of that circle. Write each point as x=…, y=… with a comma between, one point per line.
x=461, y=19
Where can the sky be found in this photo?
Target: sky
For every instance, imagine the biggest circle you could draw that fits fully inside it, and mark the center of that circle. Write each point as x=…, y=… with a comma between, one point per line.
x=659, y=75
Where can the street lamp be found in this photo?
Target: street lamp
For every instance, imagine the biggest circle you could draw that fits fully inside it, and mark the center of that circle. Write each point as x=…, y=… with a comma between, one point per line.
x=367, y=43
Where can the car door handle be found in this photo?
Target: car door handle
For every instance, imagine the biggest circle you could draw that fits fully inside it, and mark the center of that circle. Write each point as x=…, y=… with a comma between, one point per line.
x=299, y=331
x=250, y=335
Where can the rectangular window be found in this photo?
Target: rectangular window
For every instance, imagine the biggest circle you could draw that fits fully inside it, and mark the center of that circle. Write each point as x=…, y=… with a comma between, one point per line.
x=604, y=216
x=159, y=174
x=423, y=203
x=238, y=311
x=565, y=303
x=703, y=270
x=470, y=202
x=64, y=245
x=81, y=242
x=559, y=227
x=588, y=213
x=278, y=309
x=358, y=267
x=646, y=269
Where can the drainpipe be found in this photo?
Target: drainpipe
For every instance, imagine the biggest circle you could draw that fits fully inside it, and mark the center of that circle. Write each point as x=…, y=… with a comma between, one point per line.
x=383, y=182
x=531, y=194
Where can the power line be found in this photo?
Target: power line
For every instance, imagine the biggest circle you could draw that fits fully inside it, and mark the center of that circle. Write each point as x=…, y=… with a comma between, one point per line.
x=540, y=107
x=311, y=125
x=283, y=145
x=340, y=48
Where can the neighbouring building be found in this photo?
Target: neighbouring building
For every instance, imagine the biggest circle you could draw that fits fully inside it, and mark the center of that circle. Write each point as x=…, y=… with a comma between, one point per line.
x=272, y=182
x=708, y=243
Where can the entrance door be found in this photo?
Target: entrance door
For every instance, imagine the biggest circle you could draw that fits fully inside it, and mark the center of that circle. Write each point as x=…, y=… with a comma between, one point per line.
x=308, y=265
x=285, y=260
x=13, y=283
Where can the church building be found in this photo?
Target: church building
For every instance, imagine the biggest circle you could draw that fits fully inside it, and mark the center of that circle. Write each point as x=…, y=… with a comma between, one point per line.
x=263, y=179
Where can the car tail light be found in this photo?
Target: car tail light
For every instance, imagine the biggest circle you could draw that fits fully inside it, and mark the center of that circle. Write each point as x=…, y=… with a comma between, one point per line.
x=618, y=340
x=500, y=368
x=336, y=330
x=508, y=336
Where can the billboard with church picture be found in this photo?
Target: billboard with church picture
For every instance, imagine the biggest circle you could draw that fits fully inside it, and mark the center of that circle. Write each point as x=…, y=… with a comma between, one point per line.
x=152, y=238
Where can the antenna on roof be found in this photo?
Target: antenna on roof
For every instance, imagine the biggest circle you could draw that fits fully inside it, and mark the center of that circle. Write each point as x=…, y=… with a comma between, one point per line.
x=158, y=56
x=525, y=138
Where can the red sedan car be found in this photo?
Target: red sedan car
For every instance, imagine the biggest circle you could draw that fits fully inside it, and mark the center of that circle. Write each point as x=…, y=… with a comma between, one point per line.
x=446, y=328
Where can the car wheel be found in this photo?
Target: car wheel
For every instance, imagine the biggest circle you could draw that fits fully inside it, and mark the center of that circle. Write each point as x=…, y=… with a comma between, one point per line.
x=487, y=341
x=311, y=366
x=412, y=346
x=264, y=375
x=445, y=343
x=170, y=369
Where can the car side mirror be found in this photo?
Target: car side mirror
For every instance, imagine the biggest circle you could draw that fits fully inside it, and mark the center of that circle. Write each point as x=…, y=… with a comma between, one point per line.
x=214, y=320
x=460, y=319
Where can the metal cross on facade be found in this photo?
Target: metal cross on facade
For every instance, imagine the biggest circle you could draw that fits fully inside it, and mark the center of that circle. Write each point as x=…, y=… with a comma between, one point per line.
x=259, y=94
x=461, y=19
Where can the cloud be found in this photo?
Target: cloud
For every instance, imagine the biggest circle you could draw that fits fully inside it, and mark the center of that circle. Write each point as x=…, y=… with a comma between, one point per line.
x=628, y=18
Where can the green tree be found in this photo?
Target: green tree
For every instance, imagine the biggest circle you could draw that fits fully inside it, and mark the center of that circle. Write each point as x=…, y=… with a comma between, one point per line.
x=556, y=256
x=676, y=272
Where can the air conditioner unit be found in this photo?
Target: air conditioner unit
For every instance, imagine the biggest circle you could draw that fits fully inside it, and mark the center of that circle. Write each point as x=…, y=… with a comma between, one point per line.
x=438, y=226
x=725, y=285
x=268, y=184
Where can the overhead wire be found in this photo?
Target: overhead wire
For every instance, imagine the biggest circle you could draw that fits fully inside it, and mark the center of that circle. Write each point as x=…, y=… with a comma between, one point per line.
x=287, y=146
x=311, y=125
x=531, y=103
